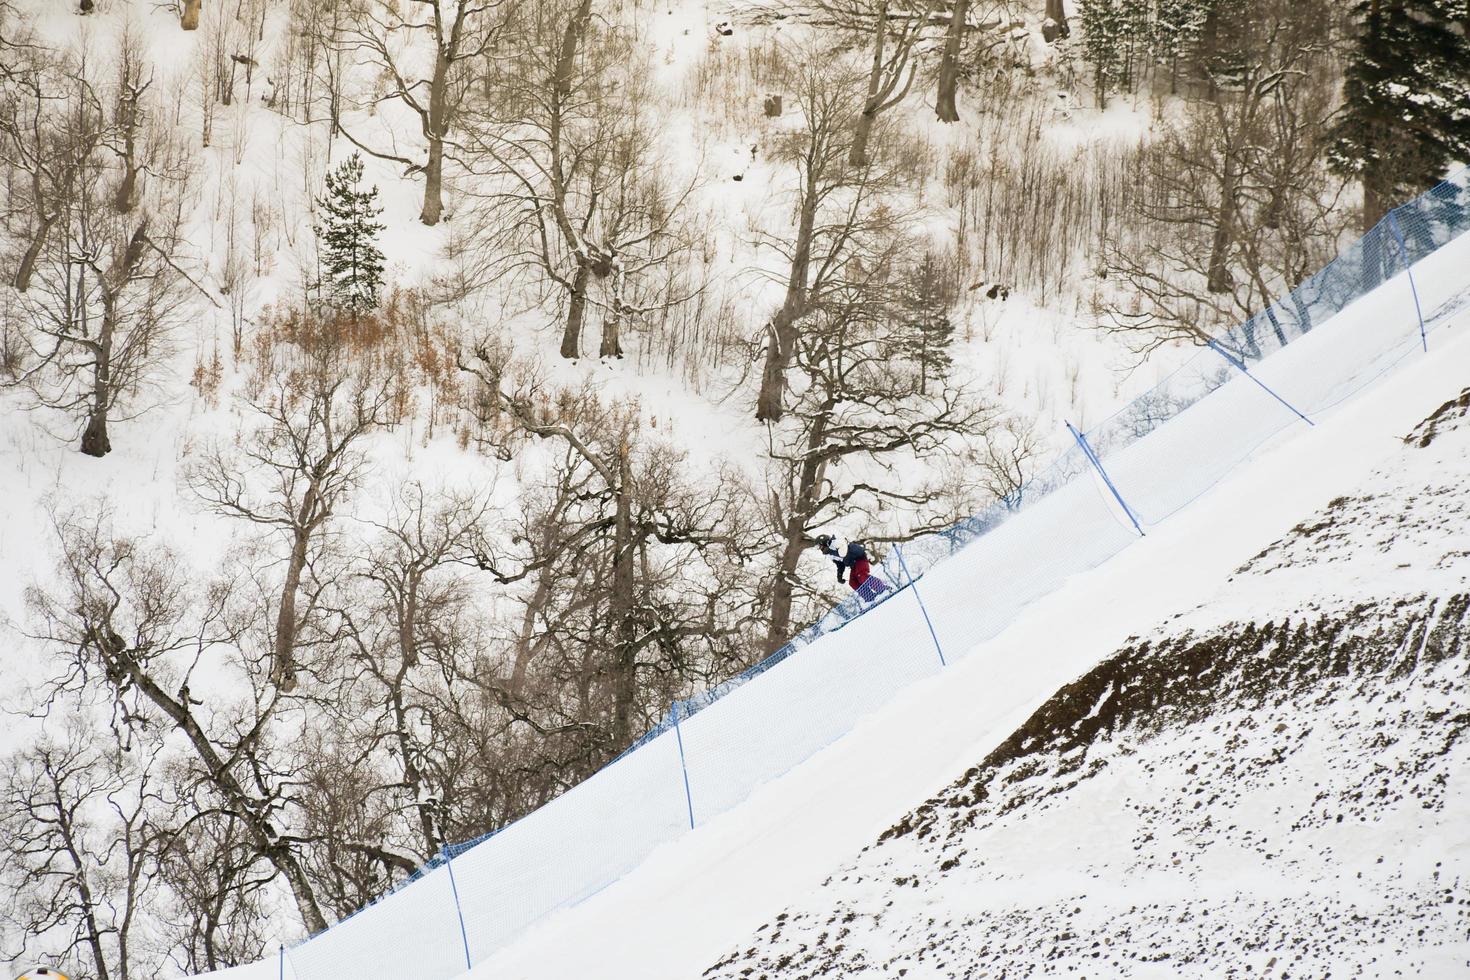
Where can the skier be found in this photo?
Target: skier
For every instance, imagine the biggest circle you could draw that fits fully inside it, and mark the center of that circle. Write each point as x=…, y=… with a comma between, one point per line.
x=853, y=560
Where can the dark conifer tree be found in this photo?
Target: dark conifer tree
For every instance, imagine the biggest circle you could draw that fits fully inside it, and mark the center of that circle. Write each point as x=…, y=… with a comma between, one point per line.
x=351, y=262
x=1406, y=116
x=1104, y=30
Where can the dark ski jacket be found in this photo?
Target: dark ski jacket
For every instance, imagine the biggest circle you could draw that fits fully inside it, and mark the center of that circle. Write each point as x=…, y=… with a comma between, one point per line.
x=855, y=558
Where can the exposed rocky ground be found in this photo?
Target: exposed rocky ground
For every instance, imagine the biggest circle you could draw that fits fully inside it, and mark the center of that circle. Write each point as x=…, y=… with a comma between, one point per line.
x=1276, y=783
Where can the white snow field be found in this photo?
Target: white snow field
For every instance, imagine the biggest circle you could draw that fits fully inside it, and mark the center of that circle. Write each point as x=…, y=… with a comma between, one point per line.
x=794, y=772
x=1272, y=784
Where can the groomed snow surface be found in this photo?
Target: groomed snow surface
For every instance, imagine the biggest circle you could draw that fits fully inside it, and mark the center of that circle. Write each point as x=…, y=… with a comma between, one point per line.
x=1270, y=785
x=793, y=774
x=700, y=898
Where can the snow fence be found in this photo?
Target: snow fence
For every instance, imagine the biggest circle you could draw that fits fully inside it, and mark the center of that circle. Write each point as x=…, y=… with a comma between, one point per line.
x=1333, y=335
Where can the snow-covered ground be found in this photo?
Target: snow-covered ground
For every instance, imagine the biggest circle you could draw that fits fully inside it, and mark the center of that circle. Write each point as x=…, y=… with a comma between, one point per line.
x=694, y=900
x=254, y=185
x=703, y=897
x=1272, y=783
x=1016, y=629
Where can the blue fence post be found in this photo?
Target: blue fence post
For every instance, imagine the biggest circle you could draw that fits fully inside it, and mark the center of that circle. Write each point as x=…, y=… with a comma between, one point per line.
x=458, y=909
x=1393, y=224
x=1239, y=365
x=897, y=550
x=1097, y=464
x=683, y=768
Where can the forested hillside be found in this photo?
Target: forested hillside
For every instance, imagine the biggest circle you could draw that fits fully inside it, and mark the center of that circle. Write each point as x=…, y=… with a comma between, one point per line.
x=404, y=400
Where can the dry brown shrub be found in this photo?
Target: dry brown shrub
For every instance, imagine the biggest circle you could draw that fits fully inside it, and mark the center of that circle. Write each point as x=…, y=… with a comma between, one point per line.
x=402, y=344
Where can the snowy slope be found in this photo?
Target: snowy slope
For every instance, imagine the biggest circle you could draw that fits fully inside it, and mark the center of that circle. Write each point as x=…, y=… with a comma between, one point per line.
x=1275, y=781
x=1039, y=361
x=696, y=900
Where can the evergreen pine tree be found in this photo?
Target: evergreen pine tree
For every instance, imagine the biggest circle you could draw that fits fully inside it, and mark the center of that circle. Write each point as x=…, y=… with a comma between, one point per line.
x=1104, y=42
x=352, y=264
x=1175, y=34
x=1406, y=115
x=925, y=304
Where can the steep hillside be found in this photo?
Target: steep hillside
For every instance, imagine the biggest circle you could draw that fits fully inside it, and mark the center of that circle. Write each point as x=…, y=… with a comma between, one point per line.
x=1274, y=781
x=404, y=402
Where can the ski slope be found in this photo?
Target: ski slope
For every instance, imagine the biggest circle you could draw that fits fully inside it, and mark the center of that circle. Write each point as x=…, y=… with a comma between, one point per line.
x=691, y=900
x=1273, y=784
x=801, y=767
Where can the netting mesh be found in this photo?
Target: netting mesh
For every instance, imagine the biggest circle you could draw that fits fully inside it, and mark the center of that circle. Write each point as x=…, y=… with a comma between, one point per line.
x=713, y=749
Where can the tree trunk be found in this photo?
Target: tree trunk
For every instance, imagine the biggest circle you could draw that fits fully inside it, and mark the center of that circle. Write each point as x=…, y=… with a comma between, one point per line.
x=433, y=183
x=621, y=609
x=1055, y=27
x=571, y=337
x=1373, y=206
x=94, y=436
x=784, y=590
x=525, y=648
x=863, y=131
x=1303, y=315
x=407, y=646
x=437, y=128
x=189, y=19
x=782, y=594
x=64, y=823
x=283, y=664
x=127, y=189
x=27, y=267
x=1217, y=278
x=283, y=668
x=945, y=106
x=611, y=344
x=780, y=345
x=566, y=60
x=413, y=779
x=782, y=331
x=612, y=326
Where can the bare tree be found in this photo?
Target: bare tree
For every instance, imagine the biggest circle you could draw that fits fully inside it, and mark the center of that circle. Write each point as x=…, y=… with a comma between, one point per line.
x=1054, y=25
x=81, y=849
x=1238, y=205
x=299, y=467
x=647, y=600
x=1007, y=461
x=51, y=124
x=834, y=209
x=130, y=616
x=218, y=914
x=102, y=286
x=130, y=114
x=946, y=99
x=457, y=33
x=893, y=30
x=860, y=416
x=415, y=635
x=590, y=205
